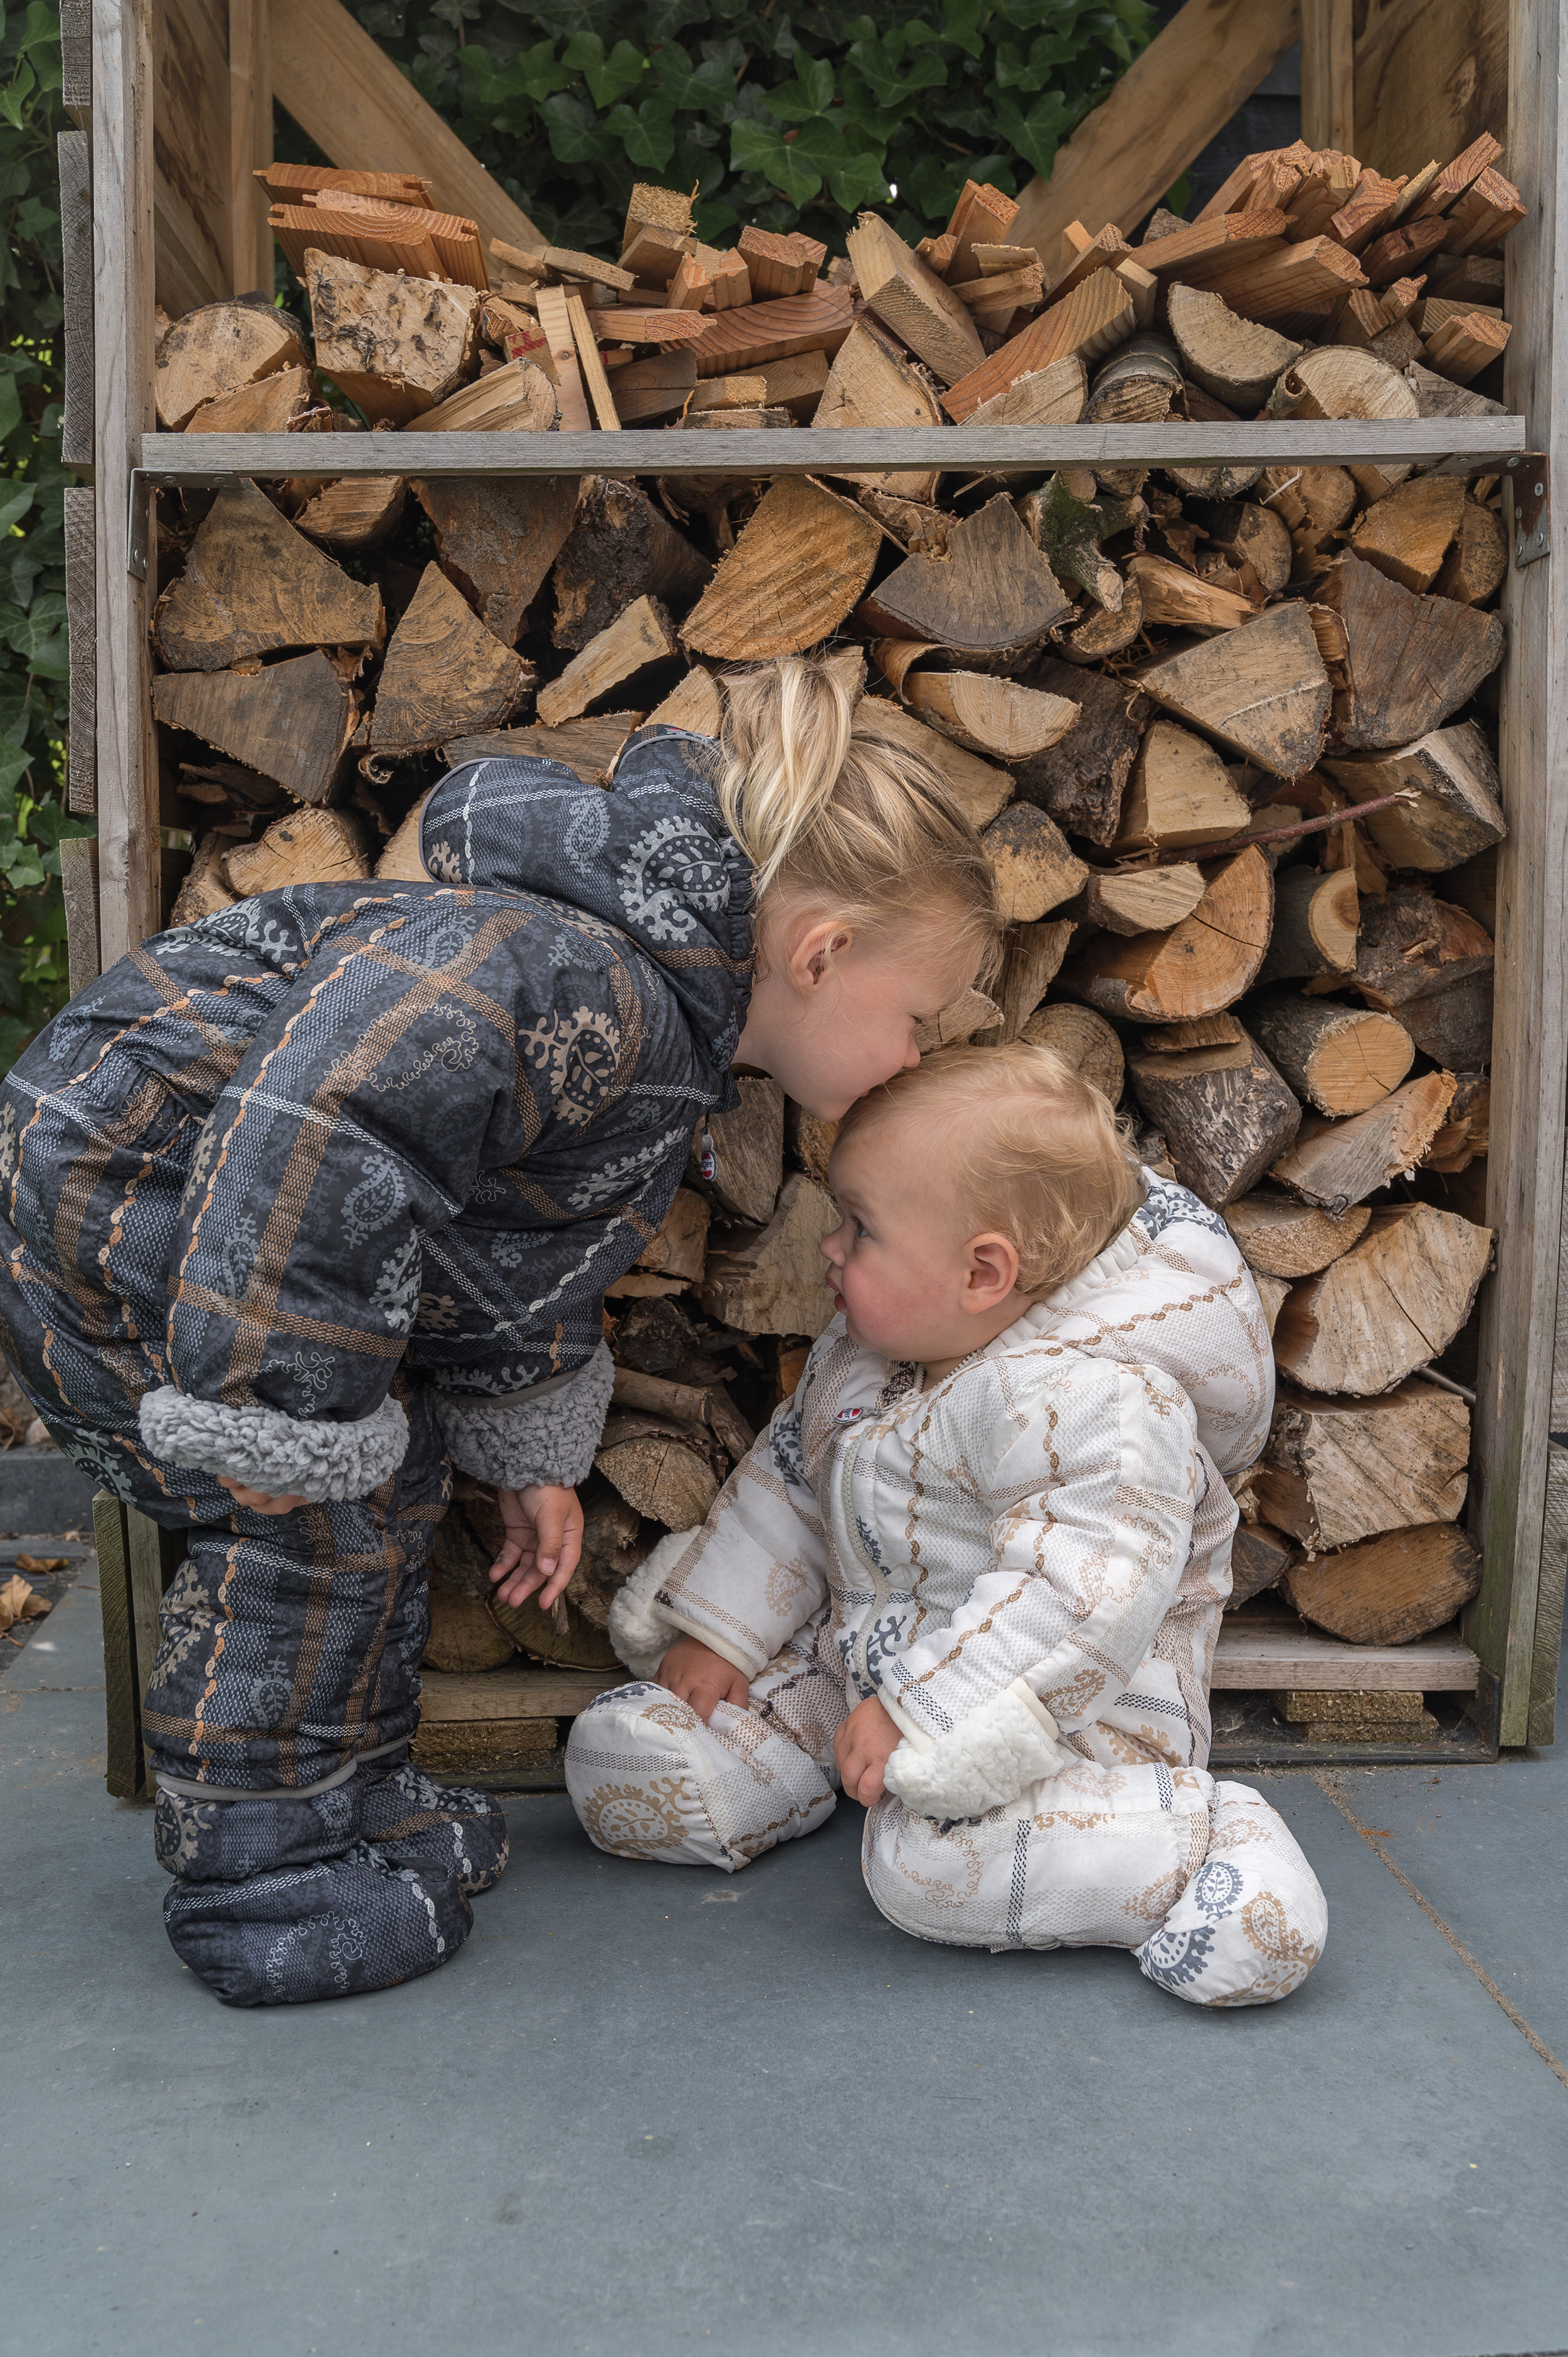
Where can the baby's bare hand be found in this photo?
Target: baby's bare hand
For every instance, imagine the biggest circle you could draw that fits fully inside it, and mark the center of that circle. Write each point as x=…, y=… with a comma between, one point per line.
x=698, y=1676
x=259, y=1502
x=543, y=1541
x=863, y=1747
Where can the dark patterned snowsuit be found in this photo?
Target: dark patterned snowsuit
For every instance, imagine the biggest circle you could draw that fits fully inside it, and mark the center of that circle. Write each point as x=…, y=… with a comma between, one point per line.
x=297, y=1194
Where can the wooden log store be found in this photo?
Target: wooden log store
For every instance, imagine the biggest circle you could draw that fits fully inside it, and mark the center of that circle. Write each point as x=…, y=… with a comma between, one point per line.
x=1216, y=573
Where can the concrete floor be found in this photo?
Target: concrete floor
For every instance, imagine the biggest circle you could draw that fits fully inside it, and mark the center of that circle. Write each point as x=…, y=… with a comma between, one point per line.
x=649, y=2111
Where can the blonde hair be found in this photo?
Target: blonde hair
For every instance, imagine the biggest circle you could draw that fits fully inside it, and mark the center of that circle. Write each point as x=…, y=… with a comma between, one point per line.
x=1031, y=1150
x=832, y=809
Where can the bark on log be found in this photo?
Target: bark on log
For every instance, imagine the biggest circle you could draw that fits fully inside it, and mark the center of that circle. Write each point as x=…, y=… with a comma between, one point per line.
x=1479, y=559
x=1031, y=963
x=204, y=891
x=1249, y=534
x=395, y=346
x=1390, y=1305
x=1080, y=783
x=1388, y=1591
x=1334, y=1471
x=1458, y=811
x=1340, y=1059
x=253, y=586
x=465, y=1636
x=1225, y=1111
x=497, y=539
x=1258, y=1555
x=1316, y=921
x=1034, y=868
x=1336, y=1163
x=620, y=548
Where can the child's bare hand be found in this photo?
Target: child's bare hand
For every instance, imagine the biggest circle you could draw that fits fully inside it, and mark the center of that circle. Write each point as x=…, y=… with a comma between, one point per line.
x=863, y=1747
x=258, y=1502
x=543, y=1541
x=701, y=1677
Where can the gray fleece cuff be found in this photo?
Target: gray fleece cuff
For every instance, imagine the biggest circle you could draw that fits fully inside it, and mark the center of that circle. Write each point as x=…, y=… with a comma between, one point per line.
x=276, y=1453
x=547, y=1435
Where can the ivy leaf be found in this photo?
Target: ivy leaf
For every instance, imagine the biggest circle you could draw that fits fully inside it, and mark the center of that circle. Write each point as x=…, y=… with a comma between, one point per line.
x=811, y=93
x=647, y=135
x=876, y=63
x=574, y=136
x=757, y=148
x=610, y=78
x=14, y=502
x=961, y=23
x=1036, y=136
x=14, y=100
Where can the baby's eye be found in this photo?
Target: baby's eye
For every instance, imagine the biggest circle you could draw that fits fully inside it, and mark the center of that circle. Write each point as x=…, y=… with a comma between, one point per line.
x=861, y=1229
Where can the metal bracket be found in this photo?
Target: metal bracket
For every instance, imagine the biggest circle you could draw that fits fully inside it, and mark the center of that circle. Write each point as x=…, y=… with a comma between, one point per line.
x=138, y=521
x=1532, y=477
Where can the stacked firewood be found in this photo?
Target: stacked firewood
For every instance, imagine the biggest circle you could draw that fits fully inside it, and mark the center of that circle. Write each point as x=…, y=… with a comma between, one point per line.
x=1225, y=731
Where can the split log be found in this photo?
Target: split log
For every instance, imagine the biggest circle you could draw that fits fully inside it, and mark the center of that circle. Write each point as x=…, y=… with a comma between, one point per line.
x=737, y=1158
x=1068, y=522
x=621, y=548
x=649, y=391
x=496, y=538
x=679, y=1246
x=1460, y=348
x=1226, y=1114
x=1457, y=811
x=1388, y=1591
x=695, y=702
x=395, y=346
x=1263, y=690
x=780, y=265
x=989, y=714
x=1336, y=1163
x=204, y=891
x=640, y=636
x=292, y=721
x=1234, y=359
x=1106, y=633
x=445, y=673
x=1219, y=1030
x=1316, y=921
x=1091, y=321
x=1413, y=944
x=686, y=1403
x=1479, y=559
x=972, y=1014
x=656, y=1471
x=1258, y=1555
x=1411, y=660
x=1337, y=381
x=1201, y=965
x=1311, y=501
x=1083, y=1040
x=1031, y=961
x=355, y=513
x=465, y=1636
x=979, y=790
x=774, y=1282
x=1408, y=534
x=254, y=586
x=796, y=383
x=1279, y=1237
x=1252, y=535
x=1334, y=1471
x=309, y=846
x=1142, y=899
x=809, y=1140
x=992, y=599
x=1453, y=1025
x=1082, y=780
x=1035, y=870
x=1466, y=1135
x=907, y=295
x=1272, y=1293
x=518, y=398
x=1056, y=394
x=285, y=403
x=872, y=383
x=1178, y=794
x=1137, y=385
x=403, y=861
x=755, y=334
x=798, y=569
x=590, y=746
x=218, y=350
x=1340, y=1059
x=1392, y=1304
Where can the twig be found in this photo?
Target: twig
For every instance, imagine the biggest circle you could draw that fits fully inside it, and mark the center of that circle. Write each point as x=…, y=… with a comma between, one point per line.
x=1287, y=834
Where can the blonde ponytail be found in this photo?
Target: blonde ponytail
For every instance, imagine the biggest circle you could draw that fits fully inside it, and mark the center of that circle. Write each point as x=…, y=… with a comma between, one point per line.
x=831, y=810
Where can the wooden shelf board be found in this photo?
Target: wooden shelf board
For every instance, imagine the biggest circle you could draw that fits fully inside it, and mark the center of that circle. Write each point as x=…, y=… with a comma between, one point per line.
x=498, y=1696
x=206, y=458
x=1261, y=1656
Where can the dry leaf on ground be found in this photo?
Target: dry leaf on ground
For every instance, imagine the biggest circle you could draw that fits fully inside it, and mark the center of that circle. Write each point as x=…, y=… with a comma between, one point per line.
x=43, y=1563
x=18, y=1602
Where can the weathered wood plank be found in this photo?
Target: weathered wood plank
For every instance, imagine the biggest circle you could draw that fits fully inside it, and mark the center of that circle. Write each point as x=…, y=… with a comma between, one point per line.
x=73, y=150
x=121, y=1693
x=1250, y=1657
x=1543, y=1722
x=152, y=1556
x=1329, y=74
x=80, y=599
x=1529, y=1039
x=1429, y=81
x=1163, y=113
x=76, y=61
x=122, y=251
x=78, y=883
x=203, y=460
x=189, y=105
x=514, y=1694
x=251, y=248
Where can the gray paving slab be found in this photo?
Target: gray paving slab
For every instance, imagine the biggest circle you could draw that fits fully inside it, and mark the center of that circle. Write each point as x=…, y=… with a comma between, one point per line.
x=650, y=2111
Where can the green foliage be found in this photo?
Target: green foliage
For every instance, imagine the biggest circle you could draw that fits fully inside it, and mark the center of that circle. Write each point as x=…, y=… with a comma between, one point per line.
x=779, y=118
x=33, y=665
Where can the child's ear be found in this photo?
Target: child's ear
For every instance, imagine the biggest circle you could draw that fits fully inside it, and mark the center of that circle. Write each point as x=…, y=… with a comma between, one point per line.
x=993, y=1272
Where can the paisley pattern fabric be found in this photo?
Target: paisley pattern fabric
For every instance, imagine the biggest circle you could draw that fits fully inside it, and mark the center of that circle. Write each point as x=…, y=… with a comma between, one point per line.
x=336, y=1144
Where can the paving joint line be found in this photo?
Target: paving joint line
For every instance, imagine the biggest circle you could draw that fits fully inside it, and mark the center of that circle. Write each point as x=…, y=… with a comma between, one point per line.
x=1327, y=1785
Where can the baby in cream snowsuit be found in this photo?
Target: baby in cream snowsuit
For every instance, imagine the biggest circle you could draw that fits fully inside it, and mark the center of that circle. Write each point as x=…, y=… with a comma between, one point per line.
x=974, y=1569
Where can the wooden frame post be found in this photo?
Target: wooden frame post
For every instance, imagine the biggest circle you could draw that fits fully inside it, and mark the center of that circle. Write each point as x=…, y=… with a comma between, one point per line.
x=1508, y=1623
x=129, y=865
x=1329, y=74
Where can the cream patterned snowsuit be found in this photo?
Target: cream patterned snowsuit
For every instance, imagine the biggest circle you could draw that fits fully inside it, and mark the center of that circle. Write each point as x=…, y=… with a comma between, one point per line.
x=1028, y=1565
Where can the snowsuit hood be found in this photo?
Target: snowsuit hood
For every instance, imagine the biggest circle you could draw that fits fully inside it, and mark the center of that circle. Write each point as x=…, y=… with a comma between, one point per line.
x=649, y=855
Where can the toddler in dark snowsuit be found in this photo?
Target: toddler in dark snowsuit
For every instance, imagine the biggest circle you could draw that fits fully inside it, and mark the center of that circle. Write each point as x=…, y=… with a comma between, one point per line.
x=303, y=1198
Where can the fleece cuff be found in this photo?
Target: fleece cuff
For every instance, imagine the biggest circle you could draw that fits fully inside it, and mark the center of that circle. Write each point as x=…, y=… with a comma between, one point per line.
x=640, y=1629
x=986, y=1761
x=274, y=1453
x=547, y=1435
